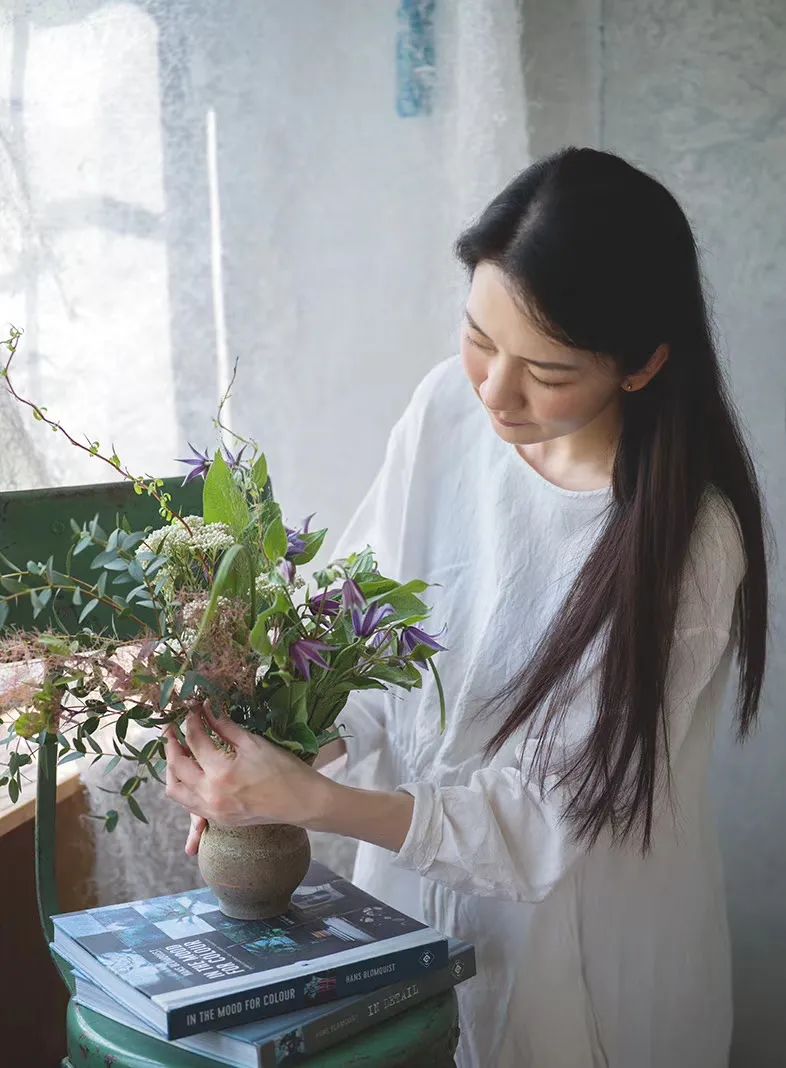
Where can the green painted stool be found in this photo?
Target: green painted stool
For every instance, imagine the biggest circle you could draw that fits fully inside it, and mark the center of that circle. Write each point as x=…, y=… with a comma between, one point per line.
x=34, y=522
x=423, y=1037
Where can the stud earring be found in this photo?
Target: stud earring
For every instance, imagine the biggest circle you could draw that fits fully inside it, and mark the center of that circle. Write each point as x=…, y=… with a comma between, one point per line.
x=628, y=385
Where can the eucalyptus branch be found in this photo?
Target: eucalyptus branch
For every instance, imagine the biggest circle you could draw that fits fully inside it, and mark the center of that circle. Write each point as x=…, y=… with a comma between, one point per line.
x=140, y=486
x=83, y=587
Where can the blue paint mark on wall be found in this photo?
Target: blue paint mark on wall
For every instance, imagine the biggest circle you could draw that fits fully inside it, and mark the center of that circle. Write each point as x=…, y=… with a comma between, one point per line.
x=415, y=57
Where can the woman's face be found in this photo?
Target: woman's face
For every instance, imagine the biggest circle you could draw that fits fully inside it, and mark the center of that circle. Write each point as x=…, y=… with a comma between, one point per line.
x=524, y=378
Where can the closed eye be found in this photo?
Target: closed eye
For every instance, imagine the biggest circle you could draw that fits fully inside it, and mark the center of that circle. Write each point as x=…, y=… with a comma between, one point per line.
x=549, y=385
x=540, y=381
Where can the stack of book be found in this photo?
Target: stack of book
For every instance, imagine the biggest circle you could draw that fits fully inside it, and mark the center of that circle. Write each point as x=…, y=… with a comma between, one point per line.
x=257, y=992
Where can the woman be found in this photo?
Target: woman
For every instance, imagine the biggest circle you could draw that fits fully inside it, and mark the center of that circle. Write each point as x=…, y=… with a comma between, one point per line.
x=576, y=482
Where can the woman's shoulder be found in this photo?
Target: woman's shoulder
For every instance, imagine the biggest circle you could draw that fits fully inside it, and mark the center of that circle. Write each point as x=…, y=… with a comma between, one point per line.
x=717, y=561
x=441, y=401
x=444, y=388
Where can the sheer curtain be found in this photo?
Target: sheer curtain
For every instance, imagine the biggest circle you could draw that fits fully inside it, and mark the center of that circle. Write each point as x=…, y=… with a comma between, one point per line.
x=186, y=183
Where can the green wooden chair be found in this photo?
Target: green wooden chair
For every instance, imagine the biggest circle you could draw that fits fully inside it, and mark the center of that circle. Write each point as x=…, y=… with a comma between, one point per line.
x=33, y=526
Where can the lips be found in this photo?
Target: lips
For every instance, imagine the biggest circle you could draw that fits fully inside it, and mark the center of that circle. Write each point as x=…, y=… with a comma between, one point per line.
x=505, y=422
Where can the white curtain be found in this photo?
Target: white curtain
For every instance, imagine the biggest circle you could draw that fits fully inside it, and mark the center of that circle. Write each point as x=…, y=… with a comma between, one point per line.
x=184, y=183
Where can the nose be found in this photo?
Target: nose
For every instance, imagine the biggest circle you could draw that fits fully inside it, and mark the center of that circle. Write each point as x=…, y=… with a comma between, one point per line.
x=502, y=394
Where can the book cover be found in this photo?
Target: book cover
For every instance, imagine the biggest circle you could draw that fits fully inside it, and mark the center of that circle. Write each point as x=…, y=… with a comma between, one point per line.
x=287, y=1039
x=185, y=967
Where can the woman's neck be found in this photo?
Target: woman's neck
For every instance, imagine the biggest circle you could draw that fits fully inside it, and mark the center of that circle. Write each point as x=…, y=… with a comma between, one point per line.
x=583, y=460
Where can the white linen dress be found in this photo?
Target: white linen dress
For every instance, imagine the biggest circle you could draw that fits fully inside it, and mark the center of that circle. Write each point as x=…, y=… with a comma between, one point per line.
x=585, y=957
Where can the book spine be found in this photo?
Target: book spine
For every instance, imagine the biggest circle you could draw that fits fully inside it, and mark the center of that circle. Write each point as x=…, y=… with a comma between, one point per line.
x=345, y=1021
x=311, y=988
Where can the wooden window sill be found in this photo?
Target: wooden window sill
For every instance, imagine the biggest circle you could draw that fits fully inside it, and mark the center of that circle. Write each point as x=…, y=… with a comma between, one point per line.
x=12, y=816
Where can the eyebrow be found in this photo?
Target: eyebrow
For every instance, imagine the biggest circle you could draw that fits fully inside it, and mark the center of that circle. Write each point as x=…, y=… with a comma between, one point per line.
x=538, y=363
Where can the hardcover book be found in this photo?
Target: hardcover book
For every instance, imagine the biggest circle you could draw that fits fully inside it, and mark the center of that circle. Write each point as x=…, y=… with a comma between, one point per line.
x=287, y=1039
x=184, y=967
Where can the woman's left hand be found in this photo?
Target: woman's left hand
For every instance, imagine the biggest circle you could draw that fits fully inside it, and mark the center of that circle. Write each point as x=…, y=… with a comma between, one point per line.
x=258, y=782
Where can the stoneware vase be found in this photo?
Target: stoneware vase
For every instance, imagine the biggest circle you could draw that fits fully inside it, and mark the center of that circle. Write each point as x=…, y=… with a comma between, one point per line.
x=253, y=871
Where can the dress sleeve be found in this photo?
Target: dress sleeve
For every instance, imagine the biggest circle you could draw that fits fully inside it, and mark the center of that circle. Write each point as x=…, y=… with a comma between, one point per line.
x=497, y=836
x=378, y=522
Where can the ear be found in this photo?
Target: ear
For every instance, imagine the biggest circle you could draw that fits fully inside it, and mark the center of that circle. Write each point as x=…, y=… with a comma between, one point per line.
x=643, y=377
x=657, y=360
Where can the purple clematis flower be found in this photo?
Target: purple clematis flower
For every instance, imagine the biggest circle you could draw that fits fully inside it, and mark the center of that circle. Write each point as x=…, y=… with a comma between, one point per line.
x=411, y=637
x=287, y=570
x=366, y=624
x=306, y=651
x=324, y=603
x=352, y=596
x=382, y=638
x=296, y=544
x=200, y=465
x=234, y=461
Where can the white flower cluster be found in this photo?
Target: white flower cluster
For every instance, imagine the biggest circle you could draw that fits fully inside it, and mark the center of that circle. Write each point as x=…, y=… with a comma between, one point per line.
x=205, y=537
x=264, y=586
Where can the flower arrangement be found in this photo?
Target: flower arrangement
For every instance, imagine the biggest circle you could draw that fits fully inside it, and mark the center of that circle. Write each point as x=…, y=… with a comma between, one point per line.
x=217, y=610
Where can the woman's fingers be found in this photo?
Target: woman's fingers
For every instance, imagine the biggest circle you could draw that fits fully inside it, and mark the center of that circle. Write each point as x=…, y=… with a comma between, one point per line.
x=198, y=824
x=180, y=768
x=199, y=742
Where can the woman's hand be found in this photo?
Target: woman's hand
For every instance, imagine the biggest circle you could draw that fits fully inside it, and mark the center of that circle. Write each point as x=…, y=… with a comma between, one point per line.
x=256, y=782
x=198, y=824
x=259, y=782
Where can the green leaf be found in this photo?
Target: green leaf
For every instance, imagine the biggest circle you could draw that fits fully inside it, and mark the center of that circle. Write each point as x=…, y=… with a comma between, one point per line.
x=116, y=565
x=258, y=638
x=136, y=810
x=274, y=541
x=259, y=472
x=87, y=609
x=35, y=602
x=121, y=727
x=298, y=702
x=167, y=687
x=387, y=673
x=299, y=738
x=191, y=680
x=313, y=542
x=111, y=820
x=222, y=499
x=13, y=791
x=326, y=737
x=104, y=559
x=71, y=756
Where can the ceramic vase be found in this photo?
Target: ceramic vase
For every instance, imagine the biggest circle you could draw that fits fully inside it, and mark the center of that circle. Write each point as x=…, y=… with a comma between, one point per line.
x=253, y=871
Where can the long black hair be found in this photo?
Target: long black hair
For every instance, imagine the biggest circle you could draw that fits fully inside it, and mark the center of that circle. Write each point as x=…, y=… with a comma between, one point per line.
x=601, y=257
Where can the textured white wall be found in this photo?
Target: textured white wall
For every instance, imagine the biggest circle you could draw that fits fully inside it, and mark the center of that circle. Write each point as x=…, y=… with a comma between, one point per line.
x=696, y=94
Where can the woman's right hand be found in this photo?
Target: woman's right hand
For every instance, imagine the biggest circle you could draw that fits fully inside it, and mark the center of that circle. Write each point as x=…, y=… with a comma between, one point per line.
x=327, y=754
x=198, y=824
